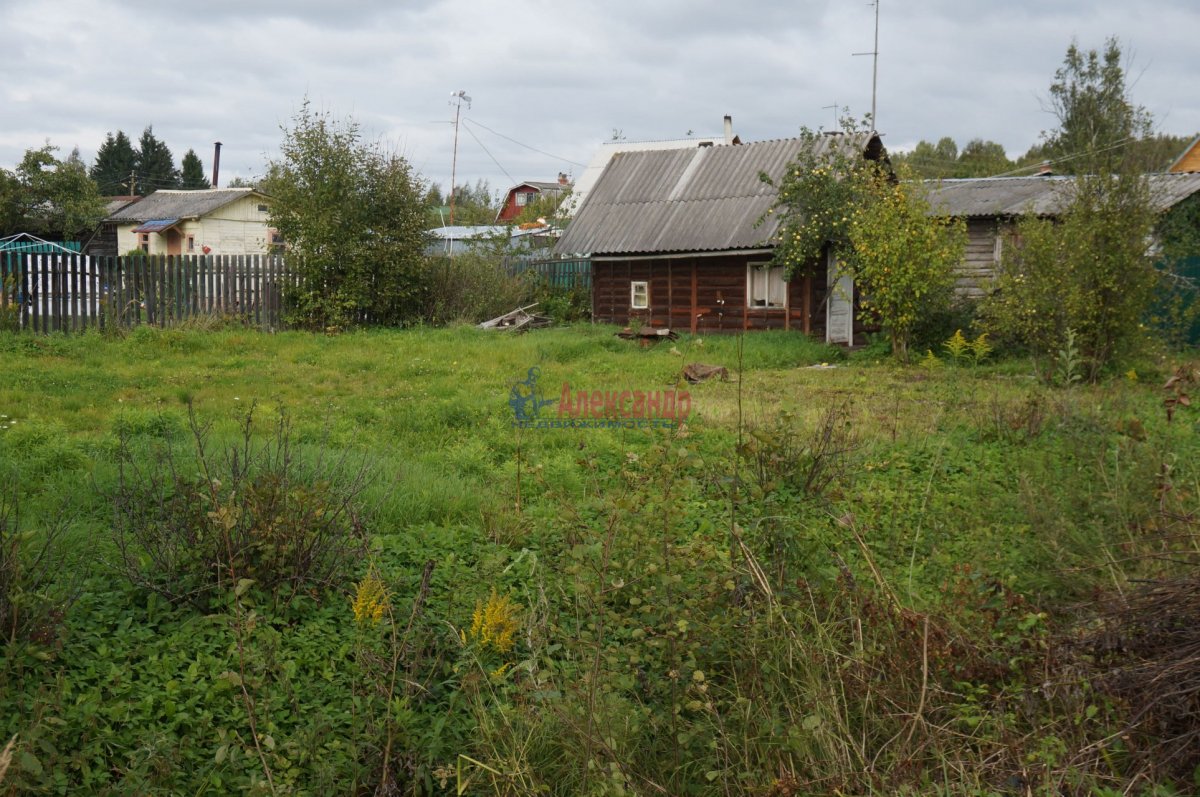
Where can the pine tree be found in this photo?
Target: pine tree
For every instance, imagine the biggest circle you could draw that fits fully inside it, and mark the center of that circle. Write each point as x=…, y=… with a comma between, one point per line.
x=115, y=162
x=192, y=175
x=155, y=164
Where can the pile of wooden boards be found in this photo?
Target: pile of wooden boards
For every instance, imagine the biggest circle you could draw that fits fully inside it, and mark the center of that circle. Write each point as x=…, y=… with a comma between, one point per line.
x=518, y=320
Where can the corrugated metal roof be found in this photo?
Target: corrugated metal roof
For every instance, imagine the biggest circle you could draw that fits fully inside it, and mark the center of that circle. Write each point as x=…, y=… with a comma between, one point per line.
x=688, y=200
x=180, y=204
x=1042, y=196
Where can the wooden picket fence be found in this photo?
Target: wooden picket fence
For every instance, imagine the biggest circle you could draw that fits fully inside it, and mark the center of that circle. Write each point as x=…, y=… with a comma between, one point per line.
x=68, y=292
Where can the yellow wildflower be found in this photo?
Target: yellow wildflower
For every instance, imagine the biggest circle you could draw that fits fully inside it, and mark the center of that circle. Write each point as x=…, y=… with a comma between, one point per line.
x=494, y=622
x=370, y=599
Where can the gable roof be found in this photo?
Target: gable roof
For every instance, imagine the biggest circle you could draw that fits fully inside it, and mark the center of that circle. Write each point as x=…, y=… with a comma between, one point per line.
x=181, y=204
x=540, y=186
x=586, y=181
x=1043, y=196
x=702, y=199
x=1189, y=159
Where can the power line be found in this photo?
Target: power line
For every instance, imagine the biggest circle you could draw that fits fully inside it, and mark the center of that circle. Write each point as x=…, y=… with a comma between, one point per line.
x=1070, y=157
x=490, y=155
x=526, y=146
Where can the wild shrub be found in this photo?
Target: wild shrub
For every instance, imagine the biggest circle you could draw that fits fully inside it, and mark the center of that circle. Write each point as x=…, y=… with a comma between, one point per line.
x=188, y=529
x=34, y=599
x=469, y=287
x=807, y=462
x=1087, y=275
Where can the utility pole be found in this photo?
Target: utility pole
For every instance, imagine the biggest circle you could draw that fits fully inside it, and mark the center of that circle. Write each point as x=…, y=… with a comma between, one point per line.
x=874, y=68
x=456, y=99
x=133, y=182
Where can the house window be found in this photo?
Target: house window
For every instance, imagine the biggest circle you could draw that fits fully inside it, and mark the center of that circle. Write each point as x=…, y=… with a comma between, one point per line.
x=639, y=295
x=144, y=242
x=523, y=198
x=765, y=287
x=262, y=208
x=276, y=239
x=191, y=243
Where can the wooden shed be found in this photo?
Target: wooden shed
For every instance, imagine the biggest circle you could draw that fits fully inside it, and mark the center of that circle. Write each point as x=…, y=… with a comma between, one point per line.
x=683, y=239
x=991, y=207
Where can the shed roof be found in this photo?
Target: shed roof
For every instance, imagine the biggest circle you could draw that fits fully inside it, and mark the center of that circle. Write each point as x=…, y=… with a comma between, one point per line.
x=180, y=204
x=702, y=199
x=1042, y=196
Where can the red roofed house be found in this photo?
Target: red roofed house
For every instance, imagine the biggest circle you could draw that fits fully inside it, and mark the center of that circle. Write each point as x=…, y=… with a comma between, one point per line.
x=521, y=195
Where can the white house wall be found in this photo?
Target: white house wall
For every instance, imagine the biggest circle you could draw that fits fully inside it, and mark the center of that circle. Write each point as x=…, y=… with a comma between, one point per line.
x=238, y=228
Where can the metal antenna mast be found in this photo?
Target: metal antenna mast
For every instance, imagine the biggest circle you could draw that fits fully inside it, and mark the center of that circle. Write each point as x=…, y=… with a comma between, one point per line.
x=835, y=113
x=874, y=68
x=457, y=99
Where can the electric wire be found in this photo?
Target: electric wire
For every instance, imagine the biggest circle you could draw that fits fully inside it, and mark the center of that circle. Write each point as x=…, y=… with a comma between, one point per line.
x=468, y=120
x=490, y=155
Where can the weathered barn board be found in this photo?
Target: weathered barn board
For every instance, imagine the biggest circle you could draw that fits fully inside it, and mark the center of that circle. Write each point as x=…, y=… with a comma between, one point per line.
x=71, y=293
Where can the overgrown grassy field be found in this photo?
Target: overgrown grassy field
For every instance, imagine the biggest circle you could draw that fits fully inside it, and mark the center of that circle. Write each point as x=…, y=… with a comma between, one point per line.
x=860, y=579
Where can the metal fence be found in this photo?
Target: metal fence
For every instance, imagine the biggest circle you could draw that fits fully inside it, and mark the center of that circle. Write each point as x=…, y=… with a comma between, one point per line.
x=556, y=274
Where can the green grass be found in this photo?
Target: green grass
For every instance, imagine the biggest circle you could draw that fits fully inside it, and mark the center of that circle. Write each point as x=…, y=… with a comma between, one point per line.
x=962, y=485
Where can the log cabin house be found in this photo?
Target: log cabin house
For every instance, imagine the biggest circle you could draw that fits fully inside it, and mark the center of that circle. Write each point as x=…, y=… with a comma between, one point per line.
x=682, y=239
x=991, y=207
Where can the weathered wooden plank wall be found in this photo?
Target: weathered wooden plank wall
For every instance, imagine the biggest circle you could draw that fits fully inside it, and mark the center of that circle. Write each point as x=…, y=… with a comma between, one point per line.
x=69, y=293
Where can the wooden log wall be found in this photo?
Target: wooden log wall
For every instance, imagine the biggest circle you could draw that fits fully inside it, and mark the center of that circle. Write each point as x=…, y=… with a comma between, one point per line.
x=702, y=295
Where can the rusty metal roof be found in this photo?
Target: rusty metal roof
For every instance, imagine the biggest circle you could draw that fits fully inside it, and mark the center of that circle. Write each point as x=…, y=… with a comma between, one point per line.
x=1041, y=196
x=703, y=199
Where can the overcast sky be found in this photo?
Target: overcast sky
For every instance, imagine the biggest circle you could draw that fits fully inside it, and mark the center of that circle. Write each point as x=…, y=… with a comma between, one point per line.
x=560, y=77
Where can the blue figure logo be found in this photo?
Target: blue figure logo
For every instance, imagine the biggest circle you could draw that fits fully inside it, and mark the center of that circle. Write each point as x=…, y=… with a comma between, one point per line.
x=526, y=398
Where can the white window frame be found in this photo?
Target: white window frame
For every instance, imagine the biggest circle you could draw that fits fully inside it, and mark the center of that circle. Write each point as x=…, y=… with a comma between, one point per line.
x=523, y=198
x=772, y=275
x=633, y=295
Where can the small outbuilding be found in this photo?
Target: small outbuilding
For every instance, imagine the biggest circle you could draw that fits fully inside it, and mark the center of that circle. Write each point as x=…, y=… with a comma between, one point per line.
x=682, y=238
x=217, y=221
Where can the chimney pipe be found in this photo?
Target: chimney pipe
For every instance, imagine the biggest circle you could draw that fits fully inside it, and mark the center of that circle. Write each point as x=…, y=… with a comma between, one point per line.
x=728, y=129
x=216, y=162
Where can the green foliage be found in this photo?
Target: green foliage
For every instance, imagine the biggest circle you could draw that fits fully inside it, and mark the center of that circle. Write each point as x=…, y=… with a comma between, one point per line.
x=353, y=219
x=192, y=175
x=880, y=230
x=155, y=165
x=902, y=258
x=470, y=287
x=473, y=205
x=957, y=347
x=116, y=162
x=978, y=158
x=33, y=597
x=1096, y=116
x=254, y=514
x=1088, y=272
x=49, y=197
x=682, y=617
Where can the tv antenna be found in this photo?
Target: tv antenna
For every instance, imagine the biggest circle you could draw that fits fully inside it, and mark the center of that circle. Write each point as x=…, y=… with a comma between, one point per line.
x=874, y=67
x=835, y=110
x=457, y=99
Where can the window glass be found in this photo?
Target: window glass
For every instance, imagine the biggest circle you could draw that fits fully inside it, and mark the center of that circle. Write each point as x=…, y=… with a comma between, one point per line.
x=639, y=295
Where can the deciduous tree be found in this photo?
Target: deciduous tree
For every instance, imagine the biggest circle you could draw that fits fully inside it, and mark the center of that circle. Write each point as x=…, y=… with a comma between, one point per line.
x=1097, y=119
x=353, y=219
x=880, y=230
x=50, y=197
